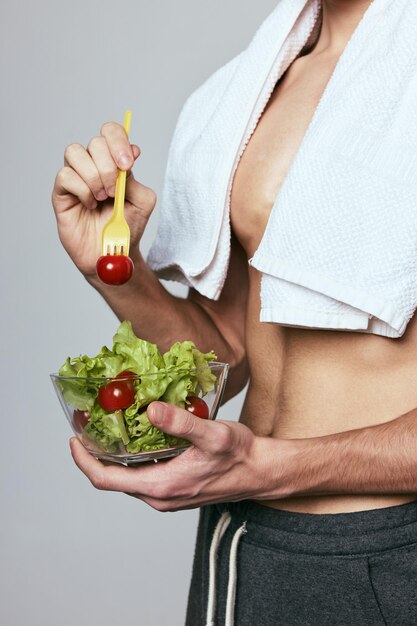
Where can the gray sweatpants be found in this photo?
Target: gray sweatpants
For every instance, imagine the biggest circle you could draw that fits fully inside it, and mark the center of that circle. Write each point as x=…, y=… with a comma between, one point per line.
x=296, y=569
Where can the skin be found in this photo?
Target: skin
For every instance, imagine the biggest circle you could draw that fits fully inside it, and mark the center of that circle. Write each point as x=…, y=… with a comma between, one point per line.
x=329, y=421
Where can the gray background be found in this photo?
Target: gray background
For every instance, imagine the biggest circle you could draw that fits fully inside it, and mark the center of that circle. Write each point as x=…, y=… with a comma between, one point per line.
x=71, y=554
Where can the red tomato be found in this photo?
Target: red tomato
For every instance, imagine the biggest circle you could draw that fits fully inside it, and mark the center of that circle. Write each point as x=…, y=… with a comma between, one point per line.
x=116, y=395
x=127, y=374
x=114, y=269
x=197, y=407
x=80, y=420
x=128, y=377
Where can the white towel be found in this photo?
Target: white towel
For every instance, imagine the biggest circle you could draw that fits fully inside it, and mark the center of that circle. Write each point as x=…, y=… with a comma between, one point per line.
x=340, y=247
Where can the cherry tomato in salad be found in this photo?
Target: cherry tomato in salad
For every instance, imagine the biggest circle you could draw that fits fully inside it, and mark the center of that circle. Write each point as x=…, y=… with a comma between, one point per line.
x=116, y=395
x=197, y=407
x=114, y=269
x=80, y=420
x=127, y=374
x=128, y=378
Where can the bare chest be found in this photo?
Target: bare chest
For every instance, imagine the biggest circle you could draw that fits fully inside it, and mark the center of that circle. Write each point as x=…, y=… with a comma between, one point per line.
x=270, y=151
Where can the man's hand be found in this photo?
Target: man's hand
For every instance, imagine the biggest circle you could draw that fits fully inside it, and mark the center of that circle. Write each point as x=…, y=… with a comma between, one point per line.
x=227, y=462
x=223, y=464
x=83, y=195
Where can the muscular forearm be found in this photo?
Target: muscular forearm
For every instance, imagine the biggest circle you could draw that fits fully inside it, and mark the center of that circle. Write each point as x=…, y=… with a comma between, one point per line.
x=227, y=462
x=381, y=459
x=155, y=314
x=162, y=318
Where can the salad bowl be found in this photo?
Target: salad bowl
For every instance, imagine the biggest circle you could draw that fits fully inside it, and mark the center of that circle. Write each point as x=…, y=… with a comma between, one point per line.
x=108, y=414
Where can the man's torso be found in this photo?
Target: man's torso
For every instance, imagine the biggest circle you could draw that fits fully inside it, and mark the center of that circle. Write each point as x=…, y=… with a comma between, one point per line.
x=306, y=382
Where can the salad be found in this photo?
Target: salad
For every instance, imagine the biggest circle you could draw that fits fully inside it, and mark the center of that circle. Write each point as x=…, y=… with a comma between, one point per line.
x=113, y=412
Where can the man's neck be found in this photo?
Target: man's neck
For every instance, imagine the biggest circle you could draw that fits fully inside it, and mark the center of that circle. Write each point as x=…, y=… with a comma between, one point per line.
x=340, y=18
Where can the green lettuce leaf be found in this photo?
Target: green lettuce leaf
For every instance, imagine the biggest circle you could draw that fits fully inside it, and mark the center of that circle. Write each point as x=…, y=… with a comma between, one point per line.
x=179, y=389
x=77, y=392
x=147, y=437
x=139, y=356
x=182, y=358
x=165, y=377
x=104, y=429
x=184, y=355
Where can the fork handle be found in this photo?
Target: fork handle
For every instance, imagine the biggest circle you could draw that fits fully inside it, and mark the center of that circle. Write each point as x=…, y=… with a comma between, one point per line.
x=119, y=197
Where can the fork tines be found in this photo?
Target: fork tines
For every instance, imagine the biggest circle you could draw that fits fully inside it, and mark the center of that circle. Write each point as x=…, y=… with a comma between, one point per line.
x=114, y=249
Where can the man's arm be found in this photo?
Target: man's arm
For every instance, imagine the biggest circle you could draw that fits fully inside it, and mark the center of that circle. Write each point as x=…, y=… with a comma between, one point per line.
x=162, y=318
x=227, y=462
x=83, y=202
x=380, y=459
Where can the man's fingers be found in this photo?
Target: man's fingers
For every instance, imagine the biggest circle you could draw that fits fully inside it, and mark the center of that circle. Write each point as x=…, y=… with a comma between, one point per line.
x=206, y=435
x=136, y=150
x=69, y=182
x=106, y=166
x=81, y=162
x=104, y=163
x=118, y=144
x=149, y=481
x=105, y=477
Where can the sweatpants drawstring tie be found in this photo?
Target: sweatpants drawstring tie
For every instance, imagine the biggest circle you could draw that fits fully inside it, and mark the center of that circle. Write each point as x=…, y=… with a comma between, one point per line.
x=221, y=527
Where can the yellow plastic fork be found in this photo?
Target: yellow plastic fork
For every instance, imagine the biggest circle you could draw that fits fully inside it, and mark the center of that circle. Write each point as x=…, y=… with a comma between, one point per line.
x=116, y=233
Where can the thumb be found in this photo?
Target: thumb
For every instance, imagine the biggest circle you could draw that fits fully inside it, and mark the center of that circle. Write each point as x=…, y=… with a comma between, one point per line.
x=142, y=197
x=181, y=423
x=136, y=150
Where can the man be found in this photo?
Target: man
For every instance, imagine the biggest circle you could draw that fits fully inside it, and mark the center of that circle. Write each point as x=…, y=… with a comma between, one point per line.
x=316, y=486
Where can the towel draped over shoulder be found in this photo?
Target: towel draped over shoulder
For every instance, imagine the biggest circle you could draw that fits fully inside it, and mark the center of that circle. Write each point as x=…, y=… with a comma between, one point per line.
x=340, y=247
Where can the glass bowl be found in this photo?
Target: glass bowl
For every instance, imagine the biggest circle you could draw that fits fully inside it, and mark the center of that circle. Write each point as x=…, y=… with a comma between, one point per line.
x=126, y=436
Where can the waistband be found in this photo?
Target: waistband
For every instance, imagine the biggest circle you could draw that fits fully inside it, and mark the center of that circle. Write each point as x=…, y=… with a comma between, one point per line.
x=360, y=532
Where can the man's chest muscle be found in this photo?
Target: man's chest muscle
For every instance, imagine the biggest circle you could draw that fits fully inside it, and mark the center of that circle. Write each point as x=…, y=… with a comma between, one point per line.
x=267, y=158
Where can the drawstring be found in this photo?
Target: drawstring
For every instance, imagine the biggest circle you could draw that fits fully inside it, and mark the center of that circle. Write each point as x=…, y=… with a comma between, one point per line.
x=219, y=531
x=231, y=585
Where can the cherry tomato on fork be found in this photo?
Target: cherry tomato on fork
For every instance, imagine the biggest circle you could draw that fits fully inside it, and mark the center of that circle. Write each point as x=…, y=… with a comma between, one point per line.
x=114, y=269
x=197, y=407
